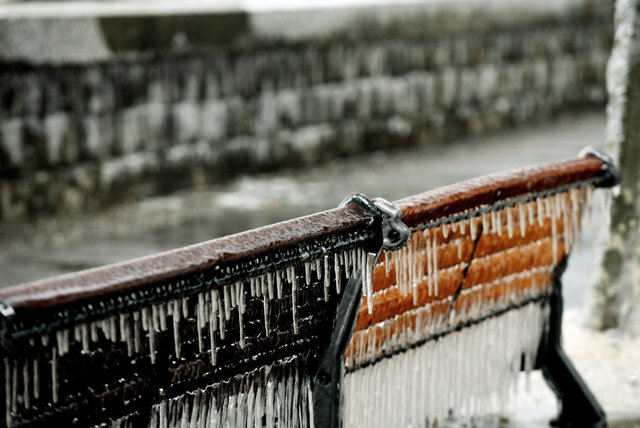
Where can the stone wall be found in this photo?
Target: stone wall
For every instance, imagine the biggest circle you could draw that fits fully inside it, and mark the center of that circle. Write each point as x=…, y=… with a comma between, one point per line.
x=105, y=105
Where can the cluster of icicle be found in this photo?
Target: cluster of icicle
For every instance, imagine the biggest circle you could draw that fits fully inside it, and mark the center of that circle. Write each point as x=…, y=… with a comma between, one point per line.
x=395, y=335
x=415, y=367
x=472, y=372
x=265, y=399
x=261, y=398
x=517, y=218
x=137, y=330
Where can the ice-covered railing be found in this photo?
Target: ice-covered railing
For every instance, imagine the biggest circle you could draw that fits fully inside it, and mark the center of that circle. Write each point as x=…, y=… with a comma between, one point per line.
x=248, y=330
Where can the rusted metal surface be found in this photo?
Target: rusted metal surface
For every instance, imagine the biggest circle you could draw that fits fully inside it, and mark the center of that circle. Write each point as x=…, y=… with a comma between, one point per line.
x=131, y=275
x=489, y=189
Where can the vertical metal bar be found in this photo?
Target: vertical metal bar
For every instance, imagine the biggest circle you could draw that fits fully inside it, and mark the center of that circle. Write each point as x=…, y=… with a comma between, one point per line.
x=579, y=408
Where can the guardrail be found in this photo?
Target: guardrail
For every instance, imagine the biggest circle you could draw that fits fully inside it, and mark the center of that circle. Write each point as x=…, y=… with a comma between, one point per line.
x=316, y=320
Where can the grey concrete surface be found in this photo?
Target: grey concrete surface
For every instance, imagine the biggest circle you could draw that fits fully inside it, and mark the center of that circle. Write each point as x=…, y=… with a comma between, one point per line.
x=609, y=362
x=263, y=21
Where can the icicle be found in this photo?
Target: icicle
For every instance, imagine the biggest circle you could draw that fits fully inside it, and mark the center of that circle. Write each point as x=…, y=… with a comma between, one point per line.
x=265, y=310
x=269, y=285
x=113, y=329
x=291, y=277
x=445, y=230
x=327, y=278
x=336, y=267
x=62, y=337
x=567, y=226
x=360, y=269
x=233, y=293
x=473, y=228
x=54, y=375
x=367, y=274
x=14, y=387
x=554, y=234
x=353, y=255
x=36, y=377
x=547, y=206
x=588, y=204
x=499, y=222
x=434, y=256
x=25, y=383
x=176, y=324
x=152, y=336
x=494, y=222
x=278, y=284
x=486, y=223
x=252, y=287
x=241, y=310
x=540, y=211
x=185, y=307
x=387, y=263
x=200, y=320
x=136, y=331
x=523, y=221
x=463, y=226
x=221, y=317
x=509, y=222
x=84, y=337
x=429, y=266
x=307, y=273
x=530, y=212
x=227, y=302
x=575, y=218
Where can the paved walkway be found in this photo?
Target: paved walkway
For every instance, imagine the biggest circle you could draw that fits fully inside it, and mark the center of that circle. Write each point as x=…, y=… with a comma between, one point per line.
x=609, y=362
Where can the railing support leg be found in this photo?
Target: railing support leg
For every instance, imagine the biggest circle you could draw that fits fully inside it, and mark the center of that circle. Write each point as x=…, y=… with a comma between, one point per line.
x=579, y=408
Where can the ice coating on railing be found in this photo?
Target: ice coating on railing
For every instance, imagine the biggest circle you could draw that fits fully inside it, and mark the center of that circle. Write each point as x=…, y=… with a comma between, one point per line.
x=469, y=372
x=211, y=309
x=456, y=301
x=418, y=261
x=417, y=285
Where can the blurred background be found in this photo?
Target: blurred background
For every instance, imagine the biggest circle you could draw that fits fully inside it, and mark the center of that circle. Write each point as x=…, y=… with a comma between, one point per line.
x=130, y=127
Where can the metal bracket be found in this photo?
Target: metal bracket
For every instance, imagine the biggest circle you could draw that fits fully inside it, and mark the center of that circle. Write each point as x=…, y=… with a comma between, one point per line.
x=611, y=173
x=327, y=395
x=395, y=234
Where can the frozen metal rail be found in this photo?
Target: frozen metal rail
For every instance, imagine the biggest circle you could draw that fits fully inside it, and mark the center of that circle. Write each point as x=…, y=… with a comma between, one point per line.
x=246, y=329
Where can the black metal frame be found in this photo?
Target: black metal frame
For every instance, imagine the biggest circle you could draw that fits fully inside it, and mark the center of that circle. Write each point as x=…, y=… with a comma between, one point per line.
x=579, y=408
x=327, y=394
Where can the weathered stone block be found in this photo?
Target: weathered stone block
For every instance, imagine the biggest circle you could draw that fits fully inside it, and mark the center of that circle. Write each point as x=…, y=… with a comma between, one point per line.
x=57, y=127
x=11, y=148
x=213, y=117
x=467, y=85
x=487, y=82
x=447, y=85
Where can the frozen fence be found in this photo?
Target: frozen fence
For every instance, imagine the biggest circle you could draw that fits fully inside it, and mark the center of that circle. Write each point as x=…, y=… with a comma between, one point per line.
x=334, y=316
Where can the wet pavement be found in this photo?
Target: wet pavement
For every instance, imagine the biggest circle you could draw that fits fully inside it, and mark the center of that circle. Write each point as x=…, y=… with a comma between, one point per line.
x=610, y=362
